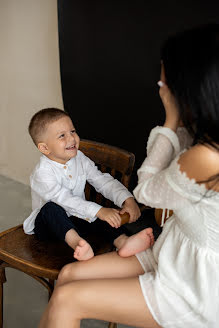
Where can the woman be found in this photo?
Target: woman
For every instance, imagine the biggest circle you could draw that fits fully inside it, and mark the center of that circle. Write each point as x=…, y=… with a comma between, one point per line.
x=176, y=283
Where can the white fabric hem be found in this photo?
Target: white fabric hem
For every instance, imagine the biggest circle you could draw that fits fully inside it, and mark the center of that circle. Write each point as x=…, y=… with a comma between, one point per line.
x=147, y=302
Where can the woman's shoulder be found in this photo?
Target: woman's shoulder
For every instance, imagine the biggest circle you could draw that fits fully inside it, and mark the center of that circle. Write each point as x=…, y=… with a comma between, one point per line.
x=200, y=163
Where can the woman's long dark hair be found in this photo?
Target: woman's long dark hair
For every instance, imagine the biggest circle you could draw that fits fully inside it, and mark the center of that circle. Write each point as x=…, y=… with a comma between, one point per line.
x=191, y=64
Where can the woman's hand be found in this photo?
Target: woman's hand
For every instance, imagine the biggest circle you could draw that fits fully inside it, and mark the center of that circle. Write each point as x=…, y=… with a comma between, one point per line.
x=172, y=113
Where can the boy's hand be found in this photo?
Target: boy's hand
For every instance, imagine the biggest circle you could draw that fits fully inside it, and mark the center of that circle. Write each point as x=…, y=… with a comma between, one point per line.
x=110, y=215
x=130, y=206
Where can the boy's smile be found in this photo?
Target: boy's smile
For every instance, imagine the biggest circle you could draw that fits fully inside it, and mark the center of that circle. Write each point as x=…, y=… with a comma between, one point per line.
x=60, y=142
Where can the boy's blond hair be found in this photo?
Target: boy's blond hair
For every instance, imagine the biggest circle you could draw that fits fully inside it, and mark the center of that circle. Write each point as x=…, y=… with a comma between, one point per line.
x=41, y=119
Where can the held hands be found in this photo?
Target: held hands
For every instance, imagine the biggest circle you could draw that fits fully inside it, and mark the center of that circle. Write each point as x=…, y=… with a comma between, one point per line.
x=130, y=212
x=110, y=215
x=130, y=206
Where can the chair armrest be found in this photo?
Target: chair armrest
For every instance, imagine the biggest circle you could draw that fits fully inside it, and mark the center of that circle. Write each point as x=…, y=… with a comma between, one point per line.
x=157, y=213
x=125, y=217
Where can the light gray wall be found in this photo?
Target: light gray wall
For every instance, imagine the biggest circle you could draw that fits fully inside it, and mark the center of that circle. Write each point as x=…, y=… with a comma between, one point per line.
x=29, y=78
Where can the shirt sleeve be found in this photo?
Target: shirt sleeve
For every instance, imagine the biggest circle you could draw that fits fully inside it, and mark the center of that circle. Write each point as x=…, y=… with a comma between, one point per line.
x=45, y=184
x=105, y=184
x=155, y=187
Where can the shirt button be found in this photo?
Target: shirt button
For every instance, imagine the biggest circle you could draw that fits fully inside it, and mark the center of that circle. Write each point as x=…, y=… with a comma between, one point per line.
x=65, y=167
x=70, y=176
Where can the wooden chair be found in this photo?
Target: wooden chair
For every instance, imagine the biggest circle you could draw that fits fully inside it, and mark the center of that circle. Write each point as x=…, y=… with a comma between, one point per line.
x=44, y=260
x=158, y=213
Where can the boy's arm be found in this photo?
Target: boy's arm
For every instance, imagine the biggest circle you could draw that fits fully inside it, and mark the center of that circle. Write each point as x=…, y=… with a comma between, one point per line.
x=45, y=184
x=105, y=184
x=111, y=189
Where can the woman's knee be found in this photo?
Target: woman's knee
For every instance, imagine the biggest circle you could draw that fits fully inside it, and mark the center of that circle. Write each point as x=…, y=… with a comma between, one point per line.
x=68, y=299
x=59, y=302
x=68, y=273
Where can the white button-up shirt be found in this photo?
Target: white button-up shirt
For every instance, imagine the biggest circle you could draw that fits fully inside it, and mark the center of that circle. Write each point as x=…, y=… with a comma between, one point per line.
x=64, y=185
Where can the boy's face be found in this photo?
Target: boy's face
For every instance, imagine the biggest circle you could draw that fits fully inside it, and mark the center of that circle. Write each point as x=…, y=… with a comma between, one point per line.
x=61, y=141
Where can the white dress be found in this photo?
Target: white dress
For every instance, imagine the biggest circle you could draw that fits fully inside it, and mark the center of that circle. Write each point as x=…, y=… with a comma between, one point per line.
x=181, y=280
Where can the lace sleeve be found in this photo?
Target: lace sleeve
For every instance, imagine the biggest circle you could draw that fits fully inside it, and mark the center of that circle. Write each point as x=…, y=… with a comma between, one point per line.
x=162, y=147
x=158, y=192
x=172, y=136
x=153, y=187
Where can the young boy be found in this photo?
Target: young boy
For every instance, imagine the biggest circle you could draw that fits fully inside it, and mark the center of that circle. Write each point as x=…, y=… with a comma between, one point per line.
x=57, y=186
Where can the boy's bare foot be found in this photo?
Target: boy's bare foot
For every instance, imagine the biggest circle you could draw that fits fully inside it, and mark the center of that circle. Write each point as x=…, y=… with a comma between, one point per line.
x=83, y=251
x=137, y=243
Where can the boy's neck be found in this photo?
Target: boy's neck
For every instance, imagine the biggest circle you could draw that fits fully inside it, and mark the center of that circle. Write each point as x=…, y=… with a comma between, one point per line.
x=53, y=160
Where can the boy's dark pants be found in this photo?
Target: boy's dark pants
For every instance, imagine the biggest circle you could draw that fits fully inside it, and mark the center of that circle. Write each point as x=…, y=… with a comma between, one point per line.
x=52, y=223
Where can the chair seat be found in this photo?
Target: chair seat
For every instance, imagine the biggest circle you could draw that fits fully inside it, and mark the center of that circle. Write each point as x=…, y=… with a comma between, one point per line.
x=46, y=259
x=26, y=253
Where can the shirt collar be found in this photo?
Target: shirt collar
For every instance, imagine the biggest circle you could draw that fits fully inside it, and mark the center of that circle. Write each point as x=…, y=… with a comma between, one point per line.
x=54, y=163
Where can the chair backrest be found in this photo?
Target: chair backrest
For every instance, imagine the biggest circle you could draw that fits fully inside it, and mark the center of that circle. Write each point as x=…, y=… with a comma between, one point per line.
x=113, y=160
x=158, y=213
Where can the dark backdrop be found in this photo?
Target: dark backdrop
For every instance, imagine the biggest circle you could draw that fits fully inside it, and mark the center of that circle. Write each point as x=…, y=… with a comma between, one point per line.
x=109, y=59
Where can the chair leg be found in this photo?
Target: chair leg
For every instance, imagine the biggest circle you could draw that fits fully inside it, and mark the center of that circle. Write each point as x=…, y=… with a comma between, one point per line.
x=2, y=281
x=112, y=325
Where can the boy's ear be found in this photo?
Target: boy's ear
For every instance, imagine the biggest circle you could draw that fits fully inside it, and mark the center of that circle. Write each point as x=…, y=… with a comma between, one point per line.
x=43, y=148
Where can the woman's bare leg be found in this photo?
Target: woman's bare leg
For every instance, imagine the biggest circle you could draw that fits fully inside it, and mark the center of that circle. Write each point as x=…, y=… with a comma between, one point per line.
x=117, y=300
x=109, y=265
